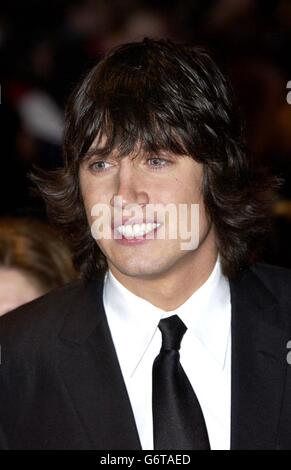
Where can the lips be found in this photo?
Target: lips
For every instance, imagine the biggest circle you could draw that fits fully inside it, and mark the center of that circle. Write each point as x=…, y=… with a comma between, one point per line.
x=133, y=239
x=129, y=221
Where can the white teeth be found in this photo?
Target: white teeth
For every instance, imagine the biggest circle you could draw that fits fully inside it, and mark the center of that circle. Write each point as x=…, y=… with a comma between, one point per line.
x=136, y=230
x=129, y=230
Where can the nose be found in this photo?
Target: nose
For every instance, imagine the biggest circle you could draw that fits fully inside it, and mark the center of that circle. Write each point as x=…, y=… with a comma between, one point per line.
x=129, y=186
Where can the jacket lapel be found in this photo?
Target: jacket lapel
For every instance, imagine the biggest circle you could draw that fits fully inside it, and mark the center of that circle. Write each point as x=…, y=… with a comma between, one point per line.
x=258, y=364
x=92, y=375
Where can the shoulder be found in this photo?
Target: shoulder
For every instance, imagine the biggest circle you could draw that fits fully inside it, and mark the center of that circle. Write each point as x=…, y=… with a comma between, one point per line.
x=277, y=279
x=261, y=298
x=36, y=324
x=265, y=288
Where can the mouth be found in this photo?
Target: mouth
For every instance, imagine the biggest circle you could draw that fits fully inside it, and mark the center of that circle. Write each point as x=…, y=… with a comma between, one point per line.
x=135, y=233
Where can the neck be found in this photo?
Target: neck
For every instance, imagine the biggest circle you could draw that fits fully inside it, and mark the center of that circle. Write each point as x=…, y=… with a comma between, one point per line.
x=170, y=289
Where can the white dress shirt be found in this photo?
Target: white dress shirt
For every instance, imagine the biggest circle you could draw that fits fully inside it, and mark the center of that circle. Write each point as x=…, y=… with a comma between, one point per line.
x=205, y=352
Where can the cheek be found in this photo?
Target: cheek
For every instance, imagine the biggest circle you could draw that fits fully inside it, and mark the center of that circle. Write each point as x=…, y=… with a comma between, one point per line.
x=204, y=221
x=88, y=198
x=172, y=191
x=92, y=194
x=184, y=188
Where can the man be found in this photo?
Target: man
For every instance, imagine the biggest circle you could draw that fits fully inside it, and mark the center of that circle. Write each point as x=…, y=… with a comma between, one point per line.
x=156, y=346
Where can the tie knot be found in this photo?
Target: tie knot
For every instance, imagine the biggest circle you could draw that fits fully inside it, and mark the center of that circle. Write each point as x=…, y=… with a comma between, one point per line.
x=173, y=330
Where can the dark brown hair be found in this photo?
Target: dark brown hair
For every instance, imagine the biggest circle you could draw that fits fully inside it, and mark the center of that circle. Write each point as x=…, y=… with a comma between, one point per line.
x=168, y=97
x=35, y=249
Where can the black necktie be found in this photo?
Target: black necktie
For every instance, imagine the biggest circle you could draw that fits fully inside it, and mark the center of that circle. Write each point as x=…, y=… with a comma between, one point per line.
x=177, y=416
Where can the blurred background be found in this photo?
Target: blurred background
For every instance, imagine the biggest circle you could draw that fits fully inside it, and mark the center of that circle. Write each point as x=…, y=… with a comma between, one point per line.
x=47, y=46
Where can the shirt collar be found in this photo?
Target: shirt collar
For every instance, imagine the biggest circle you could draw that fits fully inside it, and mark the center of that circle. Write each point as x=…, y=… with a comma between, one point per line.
x=133, y=320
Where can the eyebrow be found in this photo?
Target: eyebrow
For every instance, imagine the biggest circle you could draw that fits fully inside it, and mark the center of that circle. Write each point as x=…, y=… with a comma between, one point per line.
x=162, y=153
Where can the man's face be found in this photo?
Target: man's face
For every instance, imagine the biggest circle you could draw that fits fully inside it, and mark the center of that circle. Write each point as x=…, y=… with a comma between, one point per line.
x=142, y=181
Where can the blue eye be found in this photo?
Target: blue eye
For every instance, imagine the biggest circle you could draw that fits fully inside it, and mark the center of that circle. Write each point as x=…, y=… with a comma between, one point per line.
x=94, y=166
x=158, y=162
x=155, y=163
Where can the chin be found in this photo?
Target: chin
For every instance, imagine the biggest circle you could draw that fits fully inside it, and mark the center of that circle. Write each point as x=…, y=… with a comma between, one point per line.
x=137, y=271
x=143, y=268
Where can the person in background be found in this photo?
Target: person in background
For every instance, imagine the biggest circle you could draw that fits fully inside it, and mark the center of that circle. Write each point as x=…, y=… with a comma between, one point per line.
x=33, y=261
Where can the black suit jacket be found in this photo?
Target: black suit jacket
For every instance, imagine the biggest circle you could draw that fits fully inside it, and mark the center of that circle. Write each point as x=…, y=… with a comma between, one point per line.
x=61, y=385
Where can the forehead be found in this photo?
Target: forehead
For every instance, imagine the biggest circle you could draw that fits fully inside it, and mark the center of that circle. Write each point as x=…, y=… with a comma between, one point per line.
x=101, y=147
